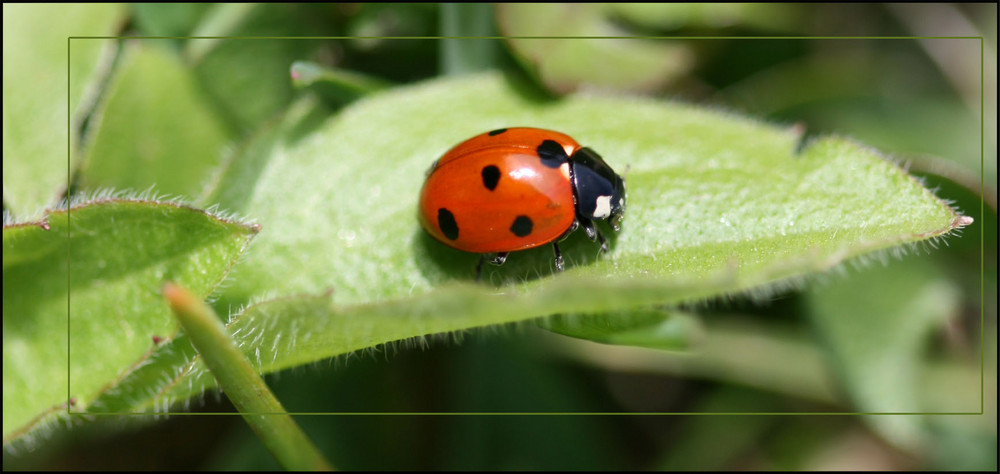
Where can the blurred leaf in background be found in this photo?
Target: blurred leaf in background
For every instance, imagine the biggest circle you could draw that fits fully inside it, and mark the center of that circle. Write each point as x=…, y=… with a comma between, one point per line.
x=163, y=19
x=132, y=147
x=563, y=64
x=876, y=325
x=35, y=128
x=248, y=79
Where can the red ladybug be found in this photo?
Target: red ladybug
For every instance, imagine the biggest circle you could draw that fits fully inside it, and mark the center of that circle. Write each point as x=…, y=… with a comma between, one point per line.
x=517, y=188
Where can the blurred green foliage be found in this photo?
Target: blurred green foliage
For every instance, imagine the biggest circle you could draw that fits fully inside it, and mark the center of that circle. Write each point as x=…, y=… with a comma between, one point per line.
x=892, y=333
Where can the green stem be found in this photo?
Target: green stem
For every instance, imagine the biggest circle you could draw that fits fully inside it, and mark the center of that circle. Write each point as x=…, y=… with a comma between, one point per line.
x=240, y=382
x=221, y=20
x=460, y=56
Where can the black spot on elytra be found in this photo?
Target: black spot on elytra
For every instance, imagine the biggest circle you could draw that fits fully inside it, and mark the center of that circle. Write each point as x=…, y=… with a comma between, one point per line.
x=552, y=154
x=497, y=131
x=521, y=226
x=446, y=221
x=491, y=176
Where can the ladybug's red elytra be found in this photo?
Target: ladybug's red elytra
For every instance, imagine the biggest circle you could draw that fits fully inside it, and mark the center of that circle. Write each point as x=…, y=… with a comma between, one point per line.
x=516, y=188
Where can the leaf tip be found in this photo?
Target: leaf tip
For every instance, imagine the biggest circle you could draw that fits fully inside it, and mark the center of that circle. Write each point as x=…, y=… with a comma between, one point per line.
x=304, y=73
x=962, y=221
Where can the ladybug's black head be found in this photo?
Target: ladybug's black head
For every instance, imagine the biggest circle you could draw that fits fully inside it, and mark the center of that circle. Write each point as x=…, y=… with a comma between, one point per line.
x=599, y=191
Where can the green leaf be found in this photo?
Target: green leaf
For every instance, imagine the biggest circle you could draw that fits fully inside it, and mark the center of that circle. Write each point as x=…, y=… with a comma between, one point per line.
x=120, y=252
x=296, y=330
x=714, y=199
x=155, y=129
x=35, y=129
x=718, y=442
x=233, y=184
x=876, y=326
x=845, y=91
x=248, y=78
x=717, y=204
x=168, y=19
x=738, y=350
x=338, y=86
x=652, y=328
x=672, y=16
x=566, y=64
x=505, y=374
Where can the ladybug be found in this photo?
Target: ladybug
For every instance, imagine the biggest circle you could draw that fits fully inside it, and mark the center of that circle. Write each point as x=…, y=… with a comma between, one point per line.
x=517, y=188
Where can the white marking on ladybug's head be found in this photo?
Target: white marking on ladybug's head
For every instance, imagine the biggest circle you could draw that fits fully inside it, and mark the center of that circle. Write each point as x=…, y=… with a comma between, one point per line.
x=603, y=208
x=564, y=169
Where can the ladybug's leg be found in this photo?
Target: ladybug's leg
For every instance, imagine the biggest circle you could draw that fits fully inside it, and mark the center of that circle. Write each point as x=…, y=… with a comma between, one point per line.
x=572, y=228
x=499, y=258
x=496, y=259
x=593, y=233
x=602, y=240
x=559, y=259
x=589, y=228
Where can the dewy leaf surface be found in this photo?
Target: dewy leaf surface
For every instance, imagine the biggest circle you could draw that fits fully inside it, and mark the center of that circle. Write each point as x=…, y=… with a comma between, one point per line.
x=120, y=254
x=35, y=92
x=709, y=193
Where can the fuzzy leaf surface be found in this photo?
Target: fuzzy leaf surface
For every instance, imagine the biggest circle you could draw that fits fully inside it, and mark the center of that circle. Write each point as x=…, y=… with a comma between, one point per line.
x=120, y=252
x=717, y=203
x=711, y=196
